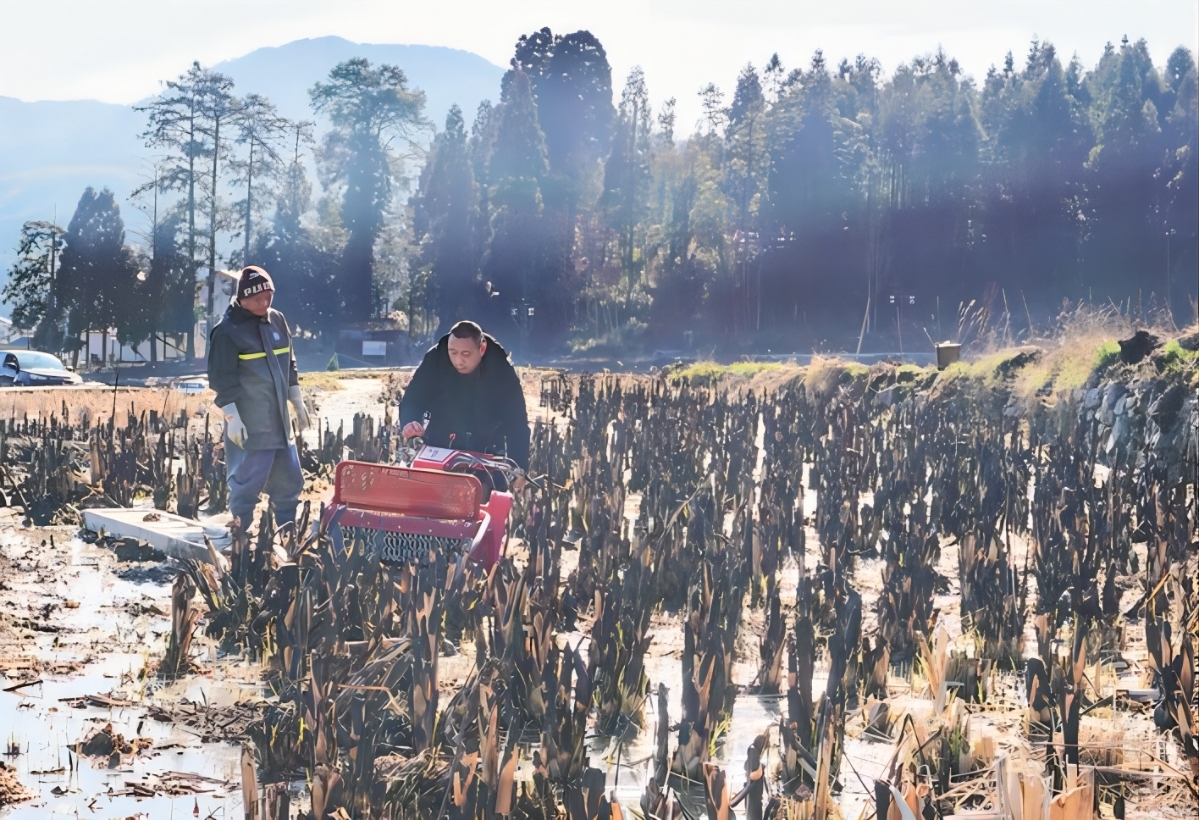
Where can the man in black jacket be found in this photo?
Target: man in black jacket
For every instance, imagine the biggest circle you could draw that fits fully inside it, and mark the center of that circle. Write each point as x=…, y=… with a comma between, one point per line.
x=252, y=368
x=470, y=392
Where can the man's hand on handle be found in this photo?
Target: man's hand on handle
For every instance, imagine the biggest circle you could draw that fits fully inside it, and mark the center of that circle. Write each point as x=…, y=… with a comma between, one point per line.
x=413, y=429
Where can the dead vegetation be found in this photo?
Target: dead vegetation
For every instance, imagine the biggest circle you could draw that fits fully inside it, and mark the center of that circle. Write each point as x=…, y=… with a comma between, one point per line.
x=1059, y=513
x=1071, y=514
x=52, y=466
x=11, y=790
x=90, y=407
x=107, y=747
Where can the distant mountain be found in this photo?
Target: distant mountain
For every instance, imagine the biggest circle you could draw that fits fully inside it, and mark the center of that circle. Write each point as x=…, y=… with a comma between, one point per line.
x=51, y=151
x=446, y=75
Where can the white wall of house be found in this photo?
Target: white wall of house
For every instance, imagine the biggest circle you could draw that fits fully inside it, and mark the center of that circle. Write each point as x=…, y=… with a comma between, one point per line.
x=226, y=286
x=95, y=352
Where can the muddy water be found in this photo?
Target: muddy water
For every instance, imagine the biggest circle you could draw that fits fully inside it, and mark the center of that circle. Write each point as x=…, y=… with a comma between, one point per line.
x=43, y=727
x=94, y=634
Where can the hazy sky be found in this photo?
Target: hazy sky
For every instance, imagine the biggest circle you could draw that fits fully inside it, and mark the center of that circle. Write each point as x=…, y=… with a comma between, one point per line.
x=119, y=50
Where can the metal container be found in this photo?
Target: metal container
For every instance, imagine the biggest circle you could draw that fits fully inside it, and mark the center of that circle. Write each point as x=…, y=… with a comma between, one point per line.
x=947, y=354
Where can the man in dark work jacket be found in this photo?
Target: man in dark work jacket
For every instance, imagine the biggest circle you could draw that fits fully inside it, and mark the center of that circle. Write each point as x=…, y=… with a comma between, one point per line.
x=252, y=368
x=472, y=395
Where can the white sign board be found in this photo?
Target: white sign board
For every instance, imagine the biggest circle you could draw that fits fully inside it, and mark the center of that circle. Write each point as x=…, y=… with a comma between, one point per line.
x=374, y=348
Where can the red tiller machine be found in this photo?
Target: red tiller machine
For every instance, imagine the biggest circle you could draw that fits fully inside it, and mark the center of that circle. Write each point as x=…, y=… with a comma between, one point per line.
x=438, y=504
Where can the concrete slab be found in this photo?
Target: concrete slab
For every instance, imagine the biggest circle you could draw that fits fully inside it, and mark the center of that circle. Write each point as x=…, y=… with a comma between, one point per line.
x=178, y=537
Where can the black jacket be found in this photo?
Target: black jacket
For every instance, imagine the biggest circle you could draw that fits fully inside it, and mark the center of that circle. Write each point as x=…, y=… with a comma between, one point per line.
x=251, y=364
x=483, y=411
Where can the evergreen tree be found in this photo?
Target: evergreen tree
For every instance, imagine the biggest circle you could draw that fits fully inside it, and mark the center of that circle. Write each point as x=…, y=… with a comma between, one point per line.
x=1127, y=236
x=185, y=120
x=745, y=171
x=170, y=286
x=533, y=54
x=812, y=196
x=99, y=272
x=571, y=83
x=805, y=197
x=375, y=115
x=444, y=215
x=303, y=259
x=32, y=288
x=1037, y=146
x=929, y=139
x=516, y=168
x=261, y=133
x=574, y=110
x=688, y=206
x=220, y=107
x=627, y=179
x=1181, y=175
x=479, y=147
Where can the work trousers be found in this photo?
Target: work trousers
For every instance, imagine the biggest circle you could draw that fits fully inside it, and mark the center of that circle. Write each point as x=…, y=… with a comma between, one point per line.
x=251, y=472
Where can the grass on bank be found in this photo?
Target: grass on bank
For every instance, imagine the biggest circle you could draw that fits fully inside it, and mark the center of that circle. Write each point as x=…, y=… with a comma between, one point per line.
x=1175, y=359
x=96, y=406
x=712, y=371
x=1077, y=353
x=321, y=380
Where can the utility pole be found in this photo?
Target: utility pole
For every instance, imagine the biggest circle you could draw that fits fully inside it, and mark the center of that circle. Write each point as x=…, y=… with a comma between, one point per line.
x=898, y=301
x=216, y=157
x=245, y=259
x=153, y=261
x=55, y=342
x=522, y=316
x=1169, y=305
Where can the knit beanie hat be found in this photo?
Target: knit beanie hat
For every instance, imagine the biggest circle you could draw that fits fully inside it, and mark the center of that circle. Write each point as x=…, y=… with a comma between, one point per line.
x=253, y=280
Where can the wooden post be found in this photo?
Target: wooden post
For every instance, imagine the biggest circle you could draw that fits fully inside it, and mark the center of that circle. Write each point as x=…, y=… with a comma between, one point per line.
x=249, y=782
x=276, y=801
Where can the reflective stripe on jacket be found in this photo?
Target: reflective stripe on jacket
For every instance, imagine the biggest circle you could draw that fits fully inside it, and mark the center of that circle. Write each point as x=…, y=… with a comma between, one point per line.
x=251, y=364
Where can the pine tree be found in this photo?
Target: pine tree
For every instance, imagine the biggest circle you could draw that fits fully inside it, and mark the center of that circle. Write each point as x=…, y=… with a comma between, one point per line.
x=574, y=110
x=170, y=283
x=1038, y=142
x=261, y=133
x=627, y=179
x=444, y=215
x=1181, y=175
x=1127, y=238
x=32, y=288
x=810, y=194
x=185, y=120
x=516, y=169
x=303, y=259
x=99, y=272
x=375, y=117
x=479, y=148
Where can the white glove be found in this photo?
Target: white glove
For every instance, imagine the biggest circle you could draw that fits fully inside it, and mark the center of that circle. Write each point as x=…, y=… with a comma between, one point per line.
x=235, y=428
x=297, y=403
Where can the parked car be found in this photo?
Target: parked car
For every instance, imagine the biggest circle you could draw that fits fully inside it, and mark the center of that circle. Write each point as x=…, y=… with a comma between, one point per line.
x=190, y=384
x=33, y=368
